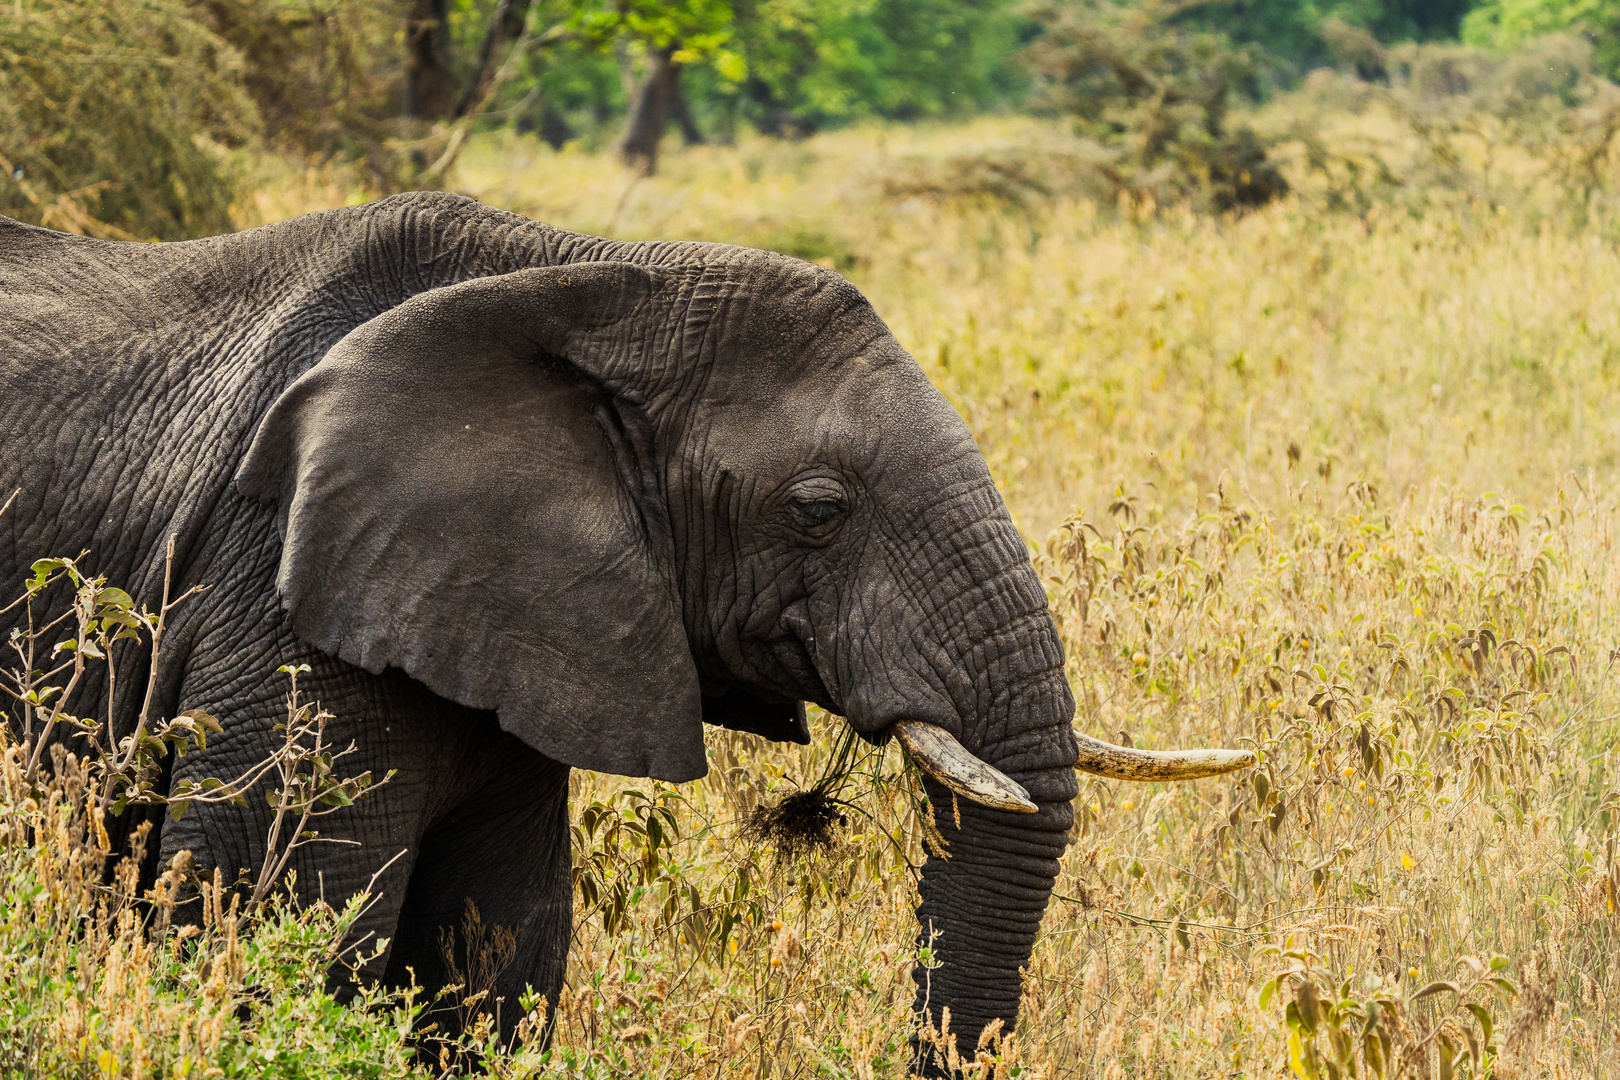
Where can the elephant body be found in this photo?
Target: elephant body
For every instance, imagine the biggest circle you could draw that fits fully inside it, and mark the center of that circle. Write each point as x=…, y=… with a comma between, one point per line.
x=526, y=500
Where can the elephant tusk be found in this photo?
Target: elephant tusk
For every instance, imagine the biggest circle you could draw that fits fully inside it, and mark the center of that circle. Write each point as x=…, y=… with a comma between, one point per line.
x=948, y=761
x=1125, y=763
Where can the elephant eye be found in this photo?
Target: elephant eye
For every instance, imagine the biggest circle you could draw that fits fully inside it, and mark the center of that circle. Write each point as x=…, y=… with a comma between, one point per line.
x=814, y=512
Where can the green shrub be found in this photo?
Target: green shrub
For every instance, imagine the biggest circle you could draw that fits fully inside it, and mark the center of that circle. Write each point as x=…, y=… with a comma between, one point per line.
x=112, y=118
x=97, y=982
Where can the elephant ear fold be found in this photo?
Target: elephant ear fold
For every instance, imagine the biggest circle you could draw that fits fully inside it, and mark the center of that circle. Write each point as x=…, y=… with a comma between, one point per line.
x=459, y=499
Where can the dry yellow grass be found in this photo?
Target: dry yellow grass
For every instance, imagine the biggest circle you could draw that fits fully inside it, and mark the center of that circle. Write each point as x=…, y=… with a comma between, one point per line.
x=1335, y=488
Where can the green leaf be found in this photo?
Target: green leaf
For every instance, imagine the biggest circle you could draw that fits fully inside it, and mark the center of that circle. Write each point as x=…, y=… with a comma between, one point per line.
x=115, y=598
x=1435, y=988
x=1484, y=1019
x=730, y=66
x=1267, y=991
x=43, y=570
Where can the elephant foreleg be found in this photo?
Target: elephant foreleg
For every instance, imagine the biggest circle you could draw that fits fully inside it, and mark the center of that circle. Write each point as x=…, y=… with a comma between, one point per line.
x=490, y=900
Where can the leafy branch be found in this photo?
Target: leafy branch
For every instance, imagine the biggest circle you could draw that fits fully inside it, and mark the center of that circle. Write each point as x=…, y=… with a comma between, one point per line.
x=1387, y=1032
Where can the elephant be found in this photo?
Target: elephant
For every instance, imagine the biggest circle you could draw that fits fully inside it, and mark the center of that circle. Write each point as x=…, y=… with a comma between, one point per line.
x=526, y=501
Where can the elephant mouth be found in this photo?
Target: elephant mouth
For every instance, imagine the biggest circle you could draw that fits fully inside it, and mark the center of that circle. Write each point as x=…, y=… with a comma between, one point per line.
x=938, y=753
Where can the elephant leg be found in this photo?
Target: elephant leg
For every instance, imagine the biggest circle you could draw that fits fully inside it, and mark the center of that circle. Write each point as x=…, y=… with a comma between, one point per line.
x=438, y=756
x=504, y=852
x=369, y=846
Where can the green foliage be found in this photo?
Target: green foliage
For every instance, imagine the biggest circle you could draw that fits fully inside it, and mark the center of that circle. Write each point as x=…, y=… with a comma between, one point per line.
x=112, y=116
x=1293, y=34
x=699, y=29
x=99, y=981
x=1157, y=93
x=1504, y=25
x=813, y=62
x=783, y=66
x=1418, y=20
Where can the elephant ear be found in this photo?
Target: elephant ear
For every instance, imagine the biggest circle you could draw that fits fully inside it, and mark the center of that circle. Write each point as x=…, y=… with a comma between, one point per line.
x=461, y=497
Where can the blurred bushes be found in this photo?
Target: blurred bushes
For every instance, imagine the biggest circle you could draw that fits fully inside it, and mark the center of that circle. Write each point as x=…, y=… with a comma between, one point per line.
x=114, y=117
x=1534, y=83
x=1157, y=94
x=1531, y=131
x=326, y=78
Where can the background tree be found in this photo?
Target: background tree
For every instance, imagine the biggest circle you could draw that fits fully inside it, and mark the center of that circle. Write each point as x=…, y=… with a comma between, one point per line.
x=434, y=88
x=1293, y=36
x=1157, y=92
x=812, y=63
x=669, y=36
x=429, y=89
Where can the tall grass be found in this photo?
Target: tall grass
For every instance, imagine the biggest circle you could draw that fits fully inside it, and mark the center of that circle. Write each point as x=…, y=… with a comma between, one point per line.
x=1330, y=485
x=97, y=982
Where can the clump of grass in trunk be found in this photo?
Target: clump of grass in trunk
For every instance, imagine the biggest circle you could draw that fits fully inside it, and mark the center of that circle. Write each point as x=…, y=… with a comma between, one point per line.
x=811, y=820
x=801, y=823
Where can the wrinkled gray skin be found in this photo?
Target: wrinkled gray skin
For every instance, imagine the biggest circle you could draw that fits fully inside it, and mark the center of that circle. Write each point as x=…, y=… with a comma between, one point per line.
x=545, y=518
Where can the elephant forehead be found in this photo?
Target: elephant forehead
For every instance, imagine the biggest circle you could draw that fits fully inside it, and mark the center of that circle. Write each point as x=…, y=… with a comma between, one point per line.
x=786, y=312
x=898, y=418
x=879, y=421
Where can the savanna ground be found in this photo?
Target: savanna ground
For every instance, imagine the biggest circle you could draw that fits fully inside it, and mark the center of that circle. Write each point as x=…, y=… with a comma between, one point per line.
x=1328, y=480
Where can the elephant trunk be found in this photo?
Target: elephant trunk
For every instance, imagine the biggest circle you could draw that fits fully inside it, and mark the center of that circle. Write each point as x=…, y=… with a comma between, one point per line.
x=982, y=902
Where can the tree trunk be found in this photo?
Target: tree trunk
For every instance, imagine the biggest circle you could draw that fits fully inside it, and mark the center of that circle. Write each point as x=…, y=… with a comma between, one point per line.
x=554, y=127
x=430, y=92
x=682, y=113
x=651, y=110
x=505, y=25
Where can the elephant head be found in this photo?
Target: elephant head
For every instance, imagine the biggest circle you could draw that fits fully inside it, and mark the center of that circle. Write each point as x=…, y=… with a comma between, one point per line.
x=612, y=499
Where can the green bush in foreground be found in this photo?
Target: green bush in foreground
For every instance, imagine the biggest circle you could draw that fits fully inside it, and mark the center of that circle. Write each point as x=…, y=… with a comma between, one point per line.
x=98, y=984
